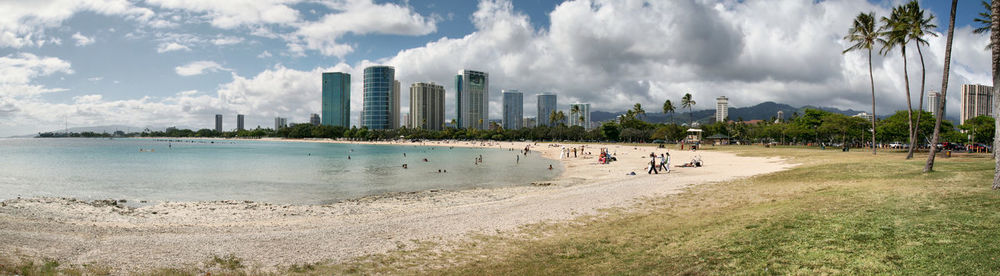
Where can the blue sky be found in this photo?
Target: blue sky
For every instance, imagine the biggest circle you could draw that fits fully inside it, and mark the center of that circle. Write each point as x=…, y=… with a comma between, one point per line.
x=178, y=62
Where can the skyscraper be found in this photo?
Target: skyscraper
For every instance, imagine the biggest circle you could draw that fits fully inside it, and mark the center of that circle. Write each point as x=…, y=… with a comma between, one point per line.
x=977, y=100
x=546, y=105
x=239, y=122
x=721, y=109
x=336, y=99
x=582, y=117
x=513, y=109
x=395, y=105
x=314, y=119
x=280, y=123
x=933, y=102
x=473, y=96
x=380, y=83
x=218, y=122
x=781, y=117
x=427, y=106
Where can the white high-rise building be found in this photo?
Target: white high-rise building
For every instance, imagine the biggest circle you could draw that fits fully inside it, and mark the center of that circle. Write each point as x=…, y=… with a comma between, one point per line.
x=977, y=100
x=933, y=102
x=865, y=115
x=582, y=118
x=513, y=109
x=721, y=109
x=427, y=106
x=473, y=99
x=280, y=123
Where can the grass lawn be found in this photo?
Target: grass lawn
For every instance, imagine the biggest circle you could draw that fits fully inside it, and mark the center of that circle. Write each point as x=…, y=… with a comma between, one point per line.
x=836, y=213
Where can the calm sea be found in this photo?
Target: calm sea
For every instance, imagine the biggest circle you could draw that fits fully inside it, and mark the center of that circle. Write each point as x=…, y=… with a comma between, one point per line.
x=277, y=172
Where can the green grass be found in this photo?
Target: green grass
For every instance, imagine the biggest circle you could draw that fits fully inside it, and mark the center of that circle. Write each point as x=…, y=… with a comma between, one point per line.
x=836, y=213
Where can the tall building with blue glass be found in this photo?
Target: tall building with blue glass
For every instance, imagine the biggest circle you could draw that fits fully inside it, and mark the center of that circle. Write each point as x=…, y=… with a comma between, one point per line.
x=546, y=105
x=473, y=95
x=513, y=109
x=379, y=90
x=336, y=99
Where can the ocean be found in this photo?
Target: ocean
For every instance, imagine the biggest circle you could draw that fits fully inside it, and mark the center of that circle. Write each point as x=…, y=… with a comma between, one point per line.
x=157, y=170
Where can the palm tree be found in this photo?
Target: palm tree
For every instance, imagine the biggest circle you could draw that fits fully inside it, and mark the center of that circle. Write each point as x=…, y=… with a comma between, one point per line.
x=575, y=109
x=864, y=35
x=944, y=90
x=895, y=32
x=638, y=110
x=557, y=117
x=985, y=20
x=668, y=107
x=995, y=40
x=687, y=102
x=919, y=26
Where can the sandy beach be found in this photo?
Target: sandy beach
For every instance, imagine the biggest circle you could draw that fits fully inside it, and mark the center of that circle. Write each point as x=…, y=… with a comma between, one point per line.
x=267, y=236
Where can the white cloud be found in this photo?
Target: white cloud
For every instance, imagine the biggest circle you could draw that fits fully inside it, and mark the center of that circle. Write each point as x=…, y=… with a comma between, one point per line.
x=199, y=67
x=227, y=40
x=95, y=79
x=82, y=40
x=236, y=13
x=171, y=46
x=358, y=17
x=23, y=23
x=265, y=54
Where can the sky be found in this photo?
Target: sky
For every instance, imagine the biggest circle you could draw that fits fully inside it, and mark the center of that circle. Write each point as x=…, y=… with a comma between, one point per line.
x=165, y=63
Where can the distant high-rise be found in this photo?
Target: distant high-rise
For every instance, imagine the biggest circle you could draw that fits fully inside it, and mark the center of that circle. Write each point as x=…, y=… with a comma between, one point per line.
x=218, y=122
x=933, y=102
x=513, y=109
x=394, y=98
x=546, y=105
x=781, y=116
x=582, y=117
x=380, y=83
x=473, y=99
x=721, y=109
x=280, y=123
x=529, y=122
x=427, y=106
x=406, y=118
x=239, y=122
x=315, y=120
x=977, y=100
x=336, y=99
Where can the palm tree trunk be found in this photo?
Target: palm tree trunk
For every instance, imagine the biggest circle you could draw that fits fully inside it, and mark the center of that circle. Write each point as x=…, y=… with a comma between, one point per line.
x=995, y=42
x=871, y=77
x=944, y=91
x=909, y=103
x=920, y=106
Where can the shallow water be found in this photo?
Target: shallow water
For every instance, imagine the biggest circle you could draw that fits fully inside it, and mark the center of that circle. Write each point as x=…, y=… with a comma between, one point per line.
x=277, y=172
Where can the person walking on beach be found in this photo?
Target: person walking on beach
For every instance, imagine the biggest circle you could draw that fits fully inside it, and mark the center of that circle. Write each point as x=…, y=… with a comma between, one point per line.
x=667, y=165
x=652, y=166
x=663, y=161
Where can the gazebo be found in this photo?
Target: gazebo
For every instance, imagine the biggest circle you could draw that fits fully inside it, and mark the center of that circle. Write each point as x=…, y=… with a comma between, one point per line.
x=718, y=139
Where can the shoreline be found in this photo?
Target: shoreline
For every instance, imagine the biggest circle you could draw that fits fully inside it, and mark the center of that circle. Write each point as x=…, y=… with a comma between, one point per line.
x=268, y=236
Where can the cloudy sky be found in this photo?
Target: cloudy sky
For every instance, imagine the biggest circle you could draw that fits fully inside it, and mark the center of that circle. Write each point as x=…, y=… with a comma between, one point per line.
x=179, y=62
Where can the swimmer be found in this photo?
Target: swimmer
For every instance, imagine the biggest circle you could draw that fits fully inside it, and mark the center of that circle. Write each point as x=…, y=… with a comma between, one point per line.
x=550, y=167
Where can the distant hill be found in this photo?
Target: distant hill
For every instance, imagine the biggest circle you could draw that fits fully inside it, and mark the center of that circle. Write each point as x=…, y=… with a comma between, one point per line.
x=762, y=111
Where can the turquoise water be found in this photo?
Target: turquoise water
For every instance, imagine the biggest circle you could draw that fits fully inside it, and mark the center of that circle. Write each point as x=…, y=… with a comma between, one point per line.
x=277, y=172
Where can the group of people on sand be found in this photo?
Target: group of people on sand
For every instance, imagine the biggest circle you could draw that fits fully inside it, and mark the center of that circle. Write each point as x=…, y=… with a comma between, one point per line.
x=663, y=165
x=606, y=157
x=576, y=152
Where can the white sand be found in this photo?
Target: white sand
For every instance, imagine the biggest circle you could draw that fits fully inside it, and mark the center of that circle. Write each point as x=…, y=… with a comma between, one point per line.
x=267, y=235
